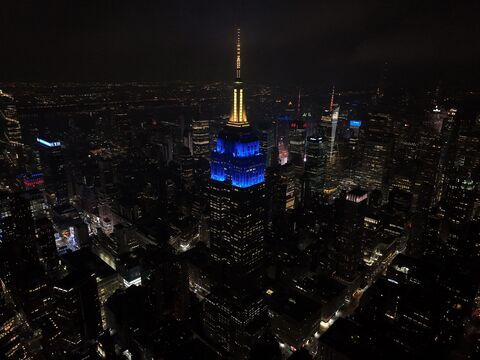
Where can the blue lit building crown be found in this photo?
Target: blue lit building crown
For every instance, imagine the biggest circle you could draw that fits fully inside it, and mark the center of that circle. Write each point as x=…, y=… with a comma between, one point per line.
x=237, y=158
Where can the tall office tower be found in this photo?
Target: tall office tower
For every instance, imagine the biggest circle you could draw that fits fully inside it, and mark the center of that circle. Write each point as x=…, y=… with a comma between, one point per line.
x=353, y=148
x=267, y=143
x=428, y=153
x=77, y=312
x=10, y=129
x=234, y=309
x=312, y=123
x=348, y=226
x=20, y=268
x=47, y=248
x=296, y=152
x=333, y=133
x=296, y=143
x=281, y=200
x=53, y=164
x=166, y=281
x=201, y=138
x=186, y=168
x=188, y=139
x=17, y=239
x=87, y=263
x=404, y=156
x=467, y=148
x=328, y=124
x=436, y=119
x=315, y=168
x=107, y=191
x=446, y=149
x=11, y=147
x=376, y=147
x=11, y=323
x=458, y=204
x=332, y=100
x=287, y=186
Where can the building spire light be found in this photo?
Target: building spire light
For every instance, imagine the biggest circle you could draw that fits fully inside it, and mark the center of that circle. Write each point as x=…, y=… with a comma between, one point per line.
x=238, y=62
x=332, y=99
x=238, y=117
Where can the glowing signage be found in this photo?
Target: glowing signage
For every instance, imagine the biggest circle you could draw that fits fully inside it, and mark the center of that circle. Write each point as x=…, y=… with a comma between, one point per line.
x=355, y=123
x=48, y=143
x=33, y=180
x=357, y=198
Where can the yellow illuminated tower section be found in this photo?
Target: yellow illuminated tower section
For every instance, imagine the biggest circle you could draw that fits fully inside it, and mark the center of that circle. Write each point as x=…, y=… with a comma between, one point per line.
x=238, y=117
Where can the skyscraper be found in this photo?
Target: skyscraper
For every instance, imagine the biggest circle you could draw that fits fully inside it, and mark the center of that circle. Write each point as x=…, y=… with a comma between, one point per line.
x=315, y=166
x=237, y=190
x=186, y=168
x=9, y=125
x=11, y=147
x=458, y=204
x=11, y=345
x=377, y=148
x=348, y=226
x=46, y=243
x=296, y=150
x=77, y=311
x=234, y=308
x=17, y=239
x=20, y=268
x=267, y=144
x=328, y=124
x=296, y=146
x=53, y=164
x=201, y=138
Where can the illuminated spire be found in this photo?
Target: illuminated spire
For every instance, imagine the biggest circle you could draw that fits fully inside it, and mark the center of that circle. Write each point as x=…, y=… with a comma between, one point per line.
x=237, y=61
x=238, y=116
x=332, y=98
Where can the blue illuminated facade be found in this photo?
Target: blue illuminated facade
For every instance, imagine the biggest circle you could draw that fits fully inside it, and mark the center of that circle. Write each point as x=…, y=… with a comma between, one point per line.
x=284, y=118
x=355, y=123
x=237, y=159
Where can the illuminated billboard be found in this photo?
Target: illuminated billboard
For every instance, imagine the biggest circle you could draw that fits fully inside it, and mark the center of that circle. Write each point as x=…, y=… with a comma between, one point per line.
x=355, y=123
x=48, y=143
x=33, y=180
x=66, y=240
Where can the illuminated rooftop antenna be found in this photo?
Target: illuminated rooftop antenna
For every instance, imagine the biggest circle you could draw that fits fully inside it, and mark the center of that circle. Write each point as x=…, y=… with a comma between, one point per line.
x=332, y=99
x=238, y=116
x=299, y=100
x=238, y=53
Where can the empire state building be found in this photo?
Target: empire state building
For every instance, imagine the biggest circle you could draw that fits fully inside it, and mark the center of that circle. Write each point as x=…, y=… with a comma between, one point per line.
x=234, y=311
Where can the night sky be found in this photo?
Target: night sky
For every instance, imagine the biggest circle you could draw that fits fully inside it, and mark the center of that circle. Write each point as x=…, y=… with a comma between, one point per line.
x=291, y=42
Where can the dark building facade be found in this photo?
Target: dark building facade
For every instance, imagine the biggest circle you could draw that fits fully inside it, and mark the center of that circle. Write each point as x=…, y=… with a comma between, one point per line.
x=53, y=164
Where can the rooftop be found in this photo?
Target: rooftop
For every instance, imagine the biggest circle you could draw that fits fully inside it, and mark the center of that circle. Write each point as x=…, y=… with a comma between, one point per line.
x=84, y=261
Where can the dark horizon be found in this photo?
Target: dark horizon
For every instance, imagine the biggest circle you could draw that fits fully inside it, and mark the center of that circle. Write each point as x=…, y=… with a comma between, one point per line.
x=302, y=43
